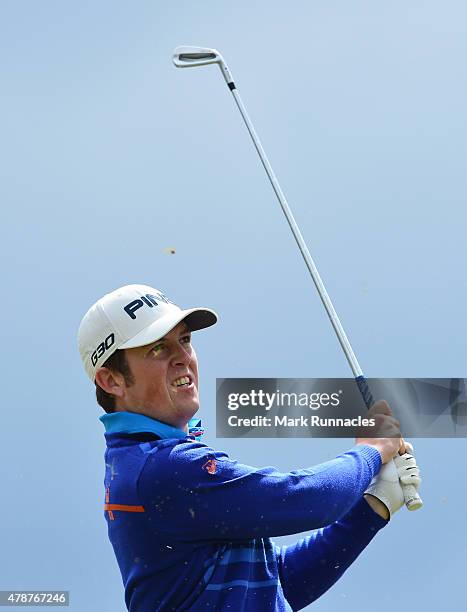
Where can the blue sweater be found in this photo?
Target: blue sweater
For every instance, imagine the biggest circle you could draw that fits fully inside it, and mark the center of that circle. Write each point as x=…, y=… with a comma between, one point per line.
x=191, y=527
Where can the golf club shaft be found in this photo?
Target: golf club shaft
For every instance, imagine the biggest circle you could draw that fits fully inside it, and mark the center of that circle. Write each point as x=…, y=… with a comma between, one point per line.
x=351, y=358
x=412, y=499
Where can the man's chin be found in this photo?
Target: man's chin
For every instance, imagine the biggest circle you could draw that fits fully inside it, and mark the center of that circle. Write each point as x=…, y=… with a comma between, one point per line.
x=188, y=406
x=193, y=408
x=186, y=401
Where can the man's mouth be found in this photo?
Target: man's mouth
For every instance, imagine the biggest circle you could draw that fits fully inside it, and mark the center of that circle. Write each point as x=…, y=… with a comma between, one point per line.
x=182, y=382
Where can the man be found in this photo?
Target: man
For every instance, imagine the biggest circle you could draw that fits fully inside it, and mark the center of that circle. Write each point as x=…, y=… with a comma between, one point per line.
x=191, y=527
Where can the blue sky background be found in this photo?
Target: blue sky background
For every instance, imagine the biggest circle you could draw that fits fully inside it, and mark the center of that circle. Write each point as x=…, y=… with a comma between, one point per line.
x=108, y=155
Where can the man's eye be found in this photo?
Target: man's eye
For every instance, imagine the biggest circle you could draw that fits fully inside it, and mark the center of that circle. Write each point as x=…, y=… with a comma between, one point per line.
x=186, y=339
x=157, y=349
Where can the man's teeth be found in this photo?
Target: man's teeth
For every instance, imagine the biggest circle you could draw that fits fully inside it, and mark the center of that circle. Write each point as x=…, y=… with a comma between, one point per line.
x=183, y=380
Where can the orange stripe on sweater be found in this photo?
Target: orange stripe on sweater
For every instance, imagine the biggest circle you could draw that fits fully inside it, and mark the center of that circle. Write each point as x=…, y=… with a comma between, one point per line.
x=123, y=508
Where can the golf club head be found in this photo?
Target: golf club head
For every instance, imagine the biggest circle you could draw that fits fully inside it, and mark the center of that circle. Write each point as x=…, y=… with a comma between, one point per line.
x=187, y=57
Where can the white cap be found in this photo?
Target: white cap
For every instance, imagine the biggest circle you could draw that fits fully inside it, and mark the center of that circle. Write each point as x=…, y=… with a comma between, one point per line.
x=131, y=316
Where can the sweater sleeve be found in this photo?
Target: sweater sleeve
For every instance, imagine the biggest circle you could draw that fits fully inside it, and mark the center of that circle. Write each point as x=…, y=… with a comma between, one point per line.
x=308, y=568
x=196, y=493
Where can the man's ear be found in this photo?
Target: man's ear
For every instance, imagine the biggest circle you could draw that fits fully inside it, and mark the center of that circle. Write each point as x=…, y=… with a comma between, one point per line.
x=111, y=382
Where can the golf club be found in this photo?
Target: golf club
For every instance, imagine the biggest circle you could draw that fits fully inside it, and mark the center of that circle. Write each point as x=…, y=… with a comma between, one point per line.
x=188, y=57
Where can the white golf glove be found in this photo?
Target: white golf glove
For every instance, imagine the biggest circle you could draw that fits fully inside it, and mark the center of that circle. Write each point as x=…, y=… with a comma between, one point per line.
x=386, y=486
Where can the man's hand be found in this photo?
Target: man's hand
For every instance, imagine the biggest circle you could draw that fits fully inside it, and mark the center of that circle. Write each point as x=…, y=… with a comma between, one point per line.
x=387, y=426
x=386, y=486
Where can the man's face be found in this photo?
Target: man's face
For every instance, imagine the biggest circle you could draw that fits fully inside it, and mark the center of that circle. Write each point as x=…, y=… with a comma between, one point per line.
x=165, y=377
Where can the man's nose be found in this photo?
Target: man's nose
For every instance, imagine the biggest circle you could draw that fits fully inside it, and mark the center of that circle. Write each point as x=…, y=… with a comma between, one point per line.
x=180, y=356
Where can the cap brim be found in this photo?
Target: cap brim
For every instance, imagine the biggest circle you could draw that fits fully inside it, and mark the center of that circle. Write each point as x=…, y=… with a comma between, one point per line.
x=195, y=318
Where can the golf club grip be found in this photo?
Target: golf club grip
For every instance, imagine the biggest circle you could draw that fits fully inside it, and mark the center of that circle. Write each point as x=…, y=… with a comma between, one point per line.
x=412, y=499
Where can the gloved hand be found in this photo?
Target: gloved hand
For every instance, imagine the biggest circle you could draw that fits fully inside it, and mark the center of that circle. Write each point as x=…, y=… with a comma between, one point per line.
x=386, y=486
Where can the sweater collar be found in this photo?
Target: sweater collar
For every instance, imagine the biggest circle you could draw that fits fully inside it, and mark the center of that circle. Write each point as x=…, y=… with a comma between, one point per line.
x=130, y=422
